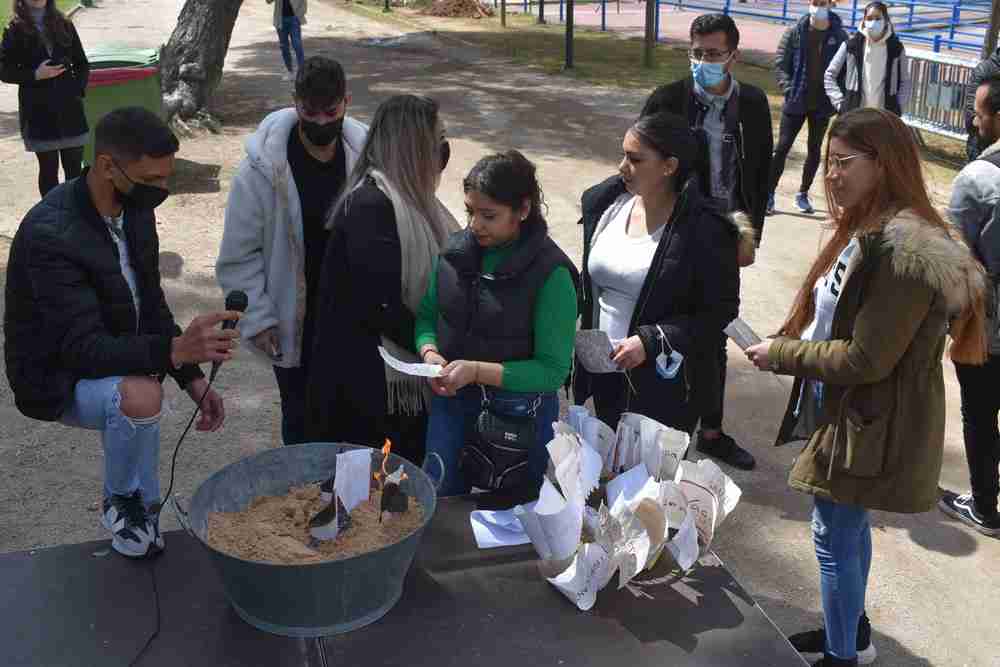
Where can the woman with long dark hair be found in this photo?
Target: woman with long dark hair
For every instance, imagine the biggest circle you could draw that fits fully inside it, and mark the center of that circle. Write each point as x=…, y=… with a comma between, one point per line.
x=660, y=277
x=876, y=74
x=499, y=315
x=385, y=233
x=864, y=340
x=42, y=54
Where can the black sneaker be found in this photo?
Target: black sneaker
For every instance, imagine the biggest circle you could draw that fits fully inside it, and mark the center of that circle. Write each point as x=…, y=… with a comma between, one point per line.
x=830, y=661
x=963, y=508
x=812, y=645
x=726, y=450
x=131, y=532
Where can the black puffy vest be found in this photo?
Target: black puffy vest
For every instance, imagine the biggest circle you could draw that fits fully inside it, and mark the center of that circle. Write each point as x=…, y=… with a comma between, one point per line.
x=491, y=317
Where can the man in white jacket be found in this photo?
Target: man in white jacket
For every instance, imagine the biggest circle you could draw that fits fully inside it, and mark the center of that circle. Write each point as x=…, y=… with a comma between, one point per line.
x=275, y=234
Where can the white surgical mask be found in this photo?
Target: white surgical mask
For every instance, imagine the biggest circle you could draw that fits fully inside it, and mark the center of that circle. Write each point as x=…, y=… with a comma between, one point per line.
x=875, y=27
x=819, y=13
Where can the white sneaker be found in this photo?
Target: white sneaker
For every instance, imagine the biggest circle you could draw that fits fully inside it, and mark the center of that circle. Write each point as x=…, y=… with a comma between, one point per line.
x=288, y=76
x=131, y=532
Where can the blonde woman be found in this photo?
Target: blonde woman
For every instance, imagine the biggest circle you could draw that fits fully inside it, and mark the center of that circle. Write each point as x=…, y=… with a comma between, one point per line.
x=864, y=341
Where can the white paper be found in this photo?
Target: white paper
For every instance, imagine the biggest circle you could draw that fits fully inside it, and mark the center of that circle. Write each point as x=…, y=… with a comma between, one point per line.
x=577, y=415
x=627, y=485
x=497, y=529
x=594, y=348
x=576, y=467
x=553, y=524
x=406, y=368
x=708, y=474
x=599, y=437
x=741, y=334
x=354, y=473
x=684, y=546
x=674, y=502
x=590, y=571
x=674, y=445
x=704, y=507
x=625, y=538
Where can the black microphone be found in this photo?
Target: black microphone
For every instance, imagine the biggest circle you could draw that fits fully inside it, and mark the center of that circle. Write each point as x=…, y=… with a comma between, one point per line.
x=235, y=300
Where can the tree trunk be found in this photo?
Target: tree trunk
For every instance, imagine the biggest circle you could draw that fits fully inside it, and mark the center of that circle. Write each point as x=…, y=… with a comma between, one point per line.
x=191, y=62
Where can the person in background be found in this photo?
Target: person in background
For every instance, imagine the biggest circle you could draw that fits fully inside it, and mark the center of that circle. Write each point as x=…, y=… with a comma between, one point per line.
x=385, y=234
x=870, y=405
x=275, y=234
x=986, y=69
x=500, y=316
x=661, y=276
x=975, y=210
x=289, y=17
x=875, y=61
x=41, y=53
x=736, y=119
x=89, y=334
x=804, y=54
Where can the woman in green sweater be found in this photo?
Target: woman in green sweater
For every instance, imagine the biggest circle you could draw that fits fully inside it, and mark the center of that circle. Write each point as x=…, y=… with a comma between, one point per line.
x=500, y=316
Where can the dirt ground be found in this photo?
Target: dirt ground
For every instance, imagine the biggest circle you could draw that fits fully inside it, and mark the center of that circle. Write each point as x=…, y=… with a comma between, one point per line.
x=932, y=595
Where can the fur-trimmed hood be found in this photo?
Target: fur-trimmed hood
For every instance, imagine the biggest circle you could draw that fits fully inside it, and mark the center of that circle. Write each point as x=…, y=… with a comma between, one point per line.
x=945, y=264
x=935, y=258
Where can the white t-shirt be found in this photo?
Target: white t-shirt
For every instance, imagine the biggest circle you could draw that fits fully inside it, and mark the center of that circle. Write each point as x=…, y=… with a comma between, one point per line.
x=116, y=227
x=618, y=265
x=827, y=294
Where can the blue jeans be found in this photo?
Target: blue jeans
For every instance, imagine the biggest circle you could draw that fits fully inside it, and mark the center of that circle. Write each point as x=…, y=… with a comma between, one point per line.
x=131, y=446
x=452, y=418
x=292, y=387
x=843, y=539
x=290, y=37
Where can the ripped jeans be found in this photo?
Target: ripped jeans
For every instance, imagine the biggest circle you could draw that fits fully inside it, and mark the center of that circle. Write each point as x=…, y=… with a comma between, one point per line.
x=131, y=446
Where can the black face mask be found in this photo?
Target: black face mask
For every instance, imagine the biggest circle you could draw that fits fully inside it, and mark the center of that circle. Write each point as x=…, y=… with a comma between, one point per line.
x=141, y=195
x=445, y=153
x=322, y=135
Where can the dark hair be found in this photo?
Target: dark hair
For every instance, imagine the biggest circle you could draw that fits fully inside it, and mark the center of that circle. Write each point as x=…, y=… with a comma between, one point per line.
x=882, y=7
x=669, y=135
x=508, y=178
x=56, y=23
x=129, y=133
x=993, y=96
x=706, y=24
x=320, y=82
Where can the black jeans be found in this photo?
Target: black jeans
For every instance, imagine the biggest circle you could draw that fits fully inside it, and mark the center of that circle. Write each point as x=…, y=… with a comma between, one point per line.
x=48, y=167
x=292, y=387
x=980, y=408
x=789, y=130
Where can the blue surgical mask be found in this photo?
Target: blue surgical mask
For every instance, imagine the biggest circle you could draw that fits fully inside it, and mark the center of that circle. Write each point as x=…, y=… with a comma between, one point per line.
x=708, y=75
x=875, y=27
x=819, y=13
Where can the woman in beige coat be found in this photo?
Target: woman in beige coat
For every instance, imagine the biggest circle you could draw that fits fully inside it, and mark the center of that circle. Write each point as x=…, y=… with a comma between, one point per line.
x=289, y=17
x=864, y=341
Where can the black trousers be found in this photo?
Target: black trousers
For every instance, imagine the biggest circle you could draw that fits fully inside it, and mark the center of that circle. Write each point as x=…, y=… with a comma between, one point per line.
x=713, y=411
x=788, y=131
x=980, y=408
x=48, y=167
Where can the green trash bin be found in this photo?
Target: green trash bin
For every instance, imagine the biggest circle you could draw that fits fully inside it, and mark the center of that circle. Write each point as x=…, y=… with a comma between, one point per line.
x=120, y=77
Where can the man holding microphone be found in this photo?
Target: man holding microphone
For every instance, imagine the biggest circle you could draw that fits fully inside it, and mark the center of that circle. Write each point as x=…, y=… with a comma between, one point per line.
x=89, y=334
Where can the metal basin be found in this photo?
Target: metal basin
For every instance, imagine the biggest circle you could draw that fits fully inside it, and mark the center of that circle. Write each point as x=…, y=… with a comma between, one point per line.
x=311, y=599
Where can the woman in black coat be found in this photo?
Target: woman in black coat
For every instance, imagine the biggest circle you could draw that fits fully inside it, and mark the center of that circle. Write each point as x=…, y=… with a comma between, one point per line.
x=41, y=53
x=385, y=236
x=660, y=277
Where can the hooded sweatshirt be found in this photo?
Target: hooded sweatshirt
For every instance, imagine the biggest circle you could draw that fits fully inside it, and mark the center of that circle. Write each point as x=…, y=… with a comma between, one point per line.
x=263, y=247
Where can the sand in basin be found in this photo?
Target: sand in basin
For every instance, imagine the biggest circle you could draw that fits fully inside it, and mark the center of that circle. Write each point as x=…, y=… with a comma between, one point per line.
x=275, y=529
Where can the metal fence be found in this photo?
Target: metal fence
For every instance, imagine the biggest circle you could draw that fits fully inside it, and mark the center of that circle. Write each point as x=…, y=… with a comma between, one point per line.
x=939, y=87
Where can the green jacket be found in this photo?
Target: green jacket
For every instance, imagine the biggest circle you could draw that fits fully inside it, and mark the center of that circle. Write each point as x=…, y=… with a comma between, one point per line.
x=877, y=440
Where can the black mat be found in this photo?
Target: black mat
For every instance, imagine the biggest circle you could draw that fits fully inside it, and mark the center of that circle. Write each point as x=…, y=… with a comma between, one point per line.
x=462, y=607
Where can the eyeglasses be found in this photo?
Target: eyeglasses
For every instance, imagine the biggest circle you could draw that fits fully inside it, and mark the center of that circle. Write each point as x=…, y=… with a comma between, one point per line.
x=709, y=55
x=840, y=161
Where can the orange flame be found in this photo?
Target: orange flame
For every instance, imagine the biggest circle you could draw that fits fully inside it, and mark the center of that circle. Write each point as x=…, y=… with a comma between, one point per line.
x=380, y=474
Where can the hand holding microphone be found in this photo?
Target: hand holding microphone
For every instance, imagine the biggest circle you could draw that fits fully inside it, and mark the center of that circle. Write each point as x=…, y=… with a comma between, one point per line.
x=202, y=341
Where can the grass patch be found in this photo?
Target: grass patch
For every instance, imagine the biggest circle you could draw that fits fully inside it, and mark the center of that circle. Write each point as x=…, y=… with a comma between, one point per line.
x=64, y=6
x=609, y=59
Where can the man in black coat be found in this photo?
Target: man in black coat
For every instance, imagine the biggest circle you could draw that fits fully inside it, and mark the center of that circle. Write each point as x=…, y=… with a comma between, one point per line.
x=89, y=335
x=987, y=69
x=736, y=119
